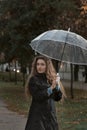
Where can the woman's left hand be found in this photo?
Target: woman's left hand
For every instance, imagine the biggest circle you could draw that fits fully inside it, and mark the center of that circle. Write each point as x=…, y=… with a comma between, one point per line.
x=53, y=84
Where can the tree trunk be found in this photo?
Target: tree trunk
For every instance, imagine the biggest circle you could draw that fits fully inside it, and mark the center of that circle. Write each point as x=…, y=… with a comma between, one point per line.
x=9, y=72
x=15, y=73
x=85, y=74
x=76, y=69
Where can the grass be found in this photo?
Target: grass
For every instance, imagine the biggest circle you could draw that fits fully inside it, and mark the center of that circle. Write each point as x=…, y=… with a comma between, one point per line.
x=6, y=76
x=14, y=96
x=72, y=114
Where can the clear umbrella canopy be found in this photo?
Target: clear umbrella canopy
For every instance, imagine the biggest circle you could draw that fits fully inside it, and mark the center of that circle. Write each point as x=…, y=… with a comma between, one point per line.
x=62, y=45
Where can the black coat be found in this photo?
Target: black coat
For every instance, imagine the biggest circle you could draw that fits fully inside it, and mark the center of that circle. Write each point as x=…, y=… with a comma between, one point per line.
x=42, y=113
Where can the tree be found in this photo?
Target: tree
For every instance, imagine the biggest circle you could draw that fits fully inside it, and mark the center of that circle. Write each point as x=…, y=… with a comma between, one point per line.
x=23, y=20
x=13, y=35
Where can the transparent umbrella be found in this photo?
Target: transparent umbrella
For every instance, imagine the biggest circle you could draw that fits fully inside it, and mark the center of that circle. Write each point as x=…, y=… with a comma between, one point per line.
x=62, y=45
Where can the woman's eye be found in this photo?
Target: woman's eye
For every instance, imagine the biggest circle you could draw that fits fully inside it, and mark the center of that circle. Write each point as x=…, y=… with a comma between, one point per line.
x=42, y=64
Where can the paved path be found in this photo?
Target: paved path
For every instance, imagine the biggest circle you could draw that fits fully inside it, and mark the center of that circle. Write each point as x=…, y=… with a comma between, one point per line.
x=10, y=120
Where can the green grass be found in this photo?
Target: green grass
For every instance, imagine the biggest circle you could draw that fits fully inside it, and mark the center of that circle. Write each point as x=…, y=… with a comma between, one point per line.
x=72, y=113
x=14, y=96
x=6, y=76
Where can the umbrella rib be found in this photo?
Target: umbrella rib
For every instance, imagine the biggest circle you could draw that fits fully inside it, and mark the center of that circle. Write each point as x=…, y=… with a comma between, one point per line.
x=63, y=50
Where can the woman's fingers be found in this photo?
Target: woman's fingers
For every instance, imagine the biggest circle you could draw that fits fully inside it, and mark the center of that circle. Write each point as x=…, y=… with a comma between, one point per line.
x=53, y=84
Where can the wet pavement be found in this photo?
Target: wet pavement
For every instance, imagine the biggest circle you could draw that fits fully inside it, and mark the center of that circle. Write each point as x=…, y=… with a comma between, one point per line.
x=10, y=120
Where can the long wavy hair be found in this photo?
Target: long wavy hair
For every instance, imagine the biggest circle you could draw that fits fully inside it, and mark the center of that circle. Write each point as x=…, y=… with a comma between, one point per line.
x=50, y=73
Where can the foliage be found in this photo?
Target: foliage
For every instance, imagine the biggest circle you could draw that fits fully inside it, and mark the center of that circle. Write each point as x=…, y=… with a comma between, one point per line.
x=21, y=21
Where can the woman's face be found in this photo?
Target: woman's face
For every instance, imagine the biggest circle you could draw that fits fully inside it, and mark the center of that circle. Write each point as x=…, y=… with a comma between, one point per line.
x=41, y=66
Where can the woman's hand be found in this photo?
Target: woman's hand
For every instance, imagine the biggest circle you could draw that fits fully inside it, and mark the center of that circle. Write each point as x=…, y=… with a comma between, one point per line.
x=58, y=79
x=53, y=84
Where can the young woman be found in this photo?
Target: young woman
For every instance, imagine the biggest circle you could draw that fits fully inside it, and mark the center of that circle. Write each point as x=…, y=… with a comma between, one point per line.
x=44, y=89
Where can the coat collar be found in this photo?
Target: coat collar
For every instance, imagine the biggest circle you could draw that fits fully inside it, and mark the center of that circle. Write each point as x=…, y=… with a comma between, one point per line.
x=43, y=75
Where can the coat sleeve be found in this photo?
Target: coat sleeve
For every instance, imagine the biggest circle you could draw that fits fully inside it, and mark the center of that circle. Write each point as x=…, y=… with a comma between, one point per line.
x=57, y=94
x=37, y=93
